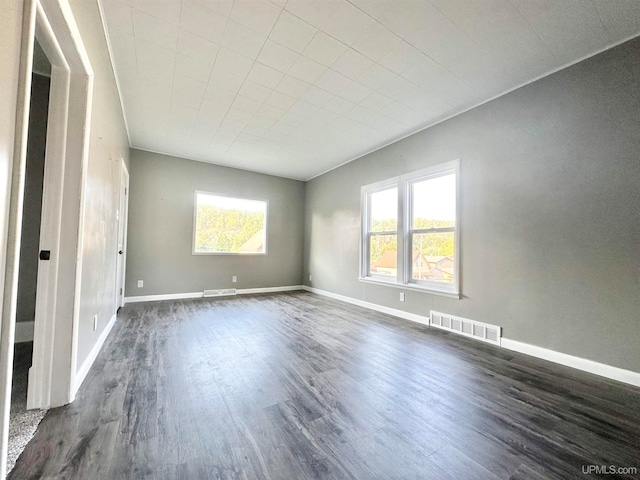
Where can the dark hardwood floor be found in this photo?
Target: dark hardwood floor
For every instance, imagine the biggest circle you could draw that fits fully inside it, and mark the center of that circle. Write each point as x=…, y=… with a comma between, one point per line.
x=297, y=386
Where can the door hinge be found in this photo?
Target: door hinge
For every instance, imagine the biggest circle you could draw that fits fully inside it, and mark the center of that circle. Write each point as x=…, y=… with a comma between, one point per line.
x=120, y=291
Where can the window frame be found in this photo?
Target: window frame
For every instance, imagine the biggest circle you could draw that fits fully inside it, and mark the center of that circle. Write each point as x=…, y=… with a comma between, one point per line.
x=405, y=232
x=195, y=218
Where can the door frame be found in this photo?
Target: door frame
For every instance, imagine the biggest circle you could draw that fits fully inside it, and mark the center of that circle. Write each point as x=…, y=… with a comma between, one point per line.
x=52, y=375
x=123, y=221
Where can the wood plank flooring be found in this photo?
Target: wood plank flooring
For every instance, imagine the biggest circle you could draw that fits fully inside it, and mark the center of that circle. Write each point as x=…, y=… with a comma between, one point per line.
x=297, y=386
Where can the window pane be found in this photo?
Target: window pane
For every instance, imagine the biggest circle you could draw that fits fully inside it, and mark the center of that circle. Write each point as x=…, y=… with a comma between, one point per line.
x=383, y=255
x=433, y=256
x=434, y=202
x=384, y=211
x=229, y=225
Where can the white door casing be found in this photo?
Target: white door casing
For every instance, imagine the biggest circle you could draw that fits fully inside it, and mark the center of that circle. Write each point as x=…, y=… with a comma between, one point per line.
x=122, y=217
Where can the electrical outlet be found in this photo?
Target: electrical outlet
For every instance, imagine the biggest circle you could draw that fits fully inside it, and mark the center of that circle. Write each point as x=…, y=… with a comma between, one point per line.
x=310, y=278
x=234, y=279
x=140, y=283
x=95, y=322
x=402, y=296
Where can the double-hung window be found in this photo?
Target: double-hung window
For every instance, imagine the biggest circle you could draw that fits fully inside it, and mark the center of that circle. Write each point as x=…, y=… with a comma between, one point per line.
x=410, y=230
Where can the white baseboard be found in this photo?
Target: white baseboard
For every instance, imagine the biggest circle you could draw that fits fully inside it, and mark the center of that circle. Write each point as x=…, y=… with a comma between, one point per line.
x=166, y=296
x=371, y=306
x=24, y=332
x=86, y=365
x=248, y=291
x=608, y=371
x=181, y=296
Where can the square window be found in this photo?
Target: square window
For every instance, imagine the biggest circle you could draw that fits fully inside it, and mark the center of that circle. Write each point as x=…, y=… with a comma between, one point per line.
x=229, y=225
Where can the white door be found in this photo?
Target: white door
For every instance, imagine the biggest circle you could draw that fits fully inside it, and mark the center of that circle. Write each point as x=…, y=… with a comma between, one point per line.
x=122, y=215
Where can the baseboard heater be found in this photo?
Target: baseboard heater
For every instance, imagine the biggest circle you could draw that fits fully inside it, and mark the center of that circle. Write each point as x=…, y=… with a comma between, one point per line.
x=223, y=292
x=469, y=328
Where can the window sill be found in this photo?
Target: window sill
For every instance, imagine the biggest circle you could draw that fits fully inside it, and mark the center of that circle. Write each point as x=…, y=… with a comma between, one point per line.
x=410, y=286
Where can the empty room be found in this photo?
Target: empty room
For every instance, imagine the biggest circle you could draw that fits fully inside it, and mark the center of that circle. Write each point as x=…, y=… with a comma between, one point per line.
x=320, y=239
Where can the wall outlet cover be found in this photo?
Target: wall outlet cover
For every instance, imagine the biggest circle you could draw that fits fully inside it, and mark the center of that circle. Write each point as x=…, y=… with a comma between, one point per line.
x=140, y=283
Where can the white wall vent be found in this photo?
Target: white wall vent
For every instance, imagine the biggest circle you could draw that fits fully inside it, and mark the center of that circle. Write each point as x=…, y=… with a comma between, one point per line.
x=224, y=292
x=469, y=328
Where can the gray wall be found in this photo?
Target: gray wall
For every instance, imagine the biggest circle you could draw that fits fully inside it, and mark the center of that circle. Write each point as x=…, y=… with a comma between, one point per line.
x=550, y=199
x=161, y=228
x=109, y=147
x=29, y=242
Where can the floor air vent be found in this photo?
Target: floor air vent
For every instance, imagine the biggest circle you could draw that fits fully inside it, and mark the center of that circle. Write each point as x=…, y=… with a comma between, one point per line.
x=225, y=292
x=468, y=328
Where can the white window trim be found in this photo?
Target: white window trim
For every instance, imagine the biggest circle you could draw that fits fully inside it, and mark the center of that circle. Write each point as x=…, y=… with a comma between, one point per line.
x=243, y=254
x=404, y=184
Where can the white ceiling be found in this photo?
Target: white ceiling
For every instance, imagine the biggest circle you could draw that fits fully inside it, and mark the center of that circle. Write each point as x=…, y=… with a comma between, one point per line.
x=297, y=87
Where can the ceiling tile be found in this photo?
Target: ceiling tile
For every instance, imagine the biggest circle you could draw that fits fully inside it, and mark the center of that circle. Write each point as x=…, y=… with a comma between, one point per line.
x=292, y=86
x=306, y=69
x=258, y=15
x=150, y=75
x=376, y=42
x=376, y=76
x=150, y=28
x=303, y=109
x=192, y=68
x=197, y=48
x=167, y=11
x=339, y=105
x=373, y=7
x=155, y=54
x=188, y=91
x=292, y=32
x=316, y=96
x=239, y=115
x=221, y=95
x=221, y=7
x=246, y=104
x=254, y=91
x=333, y=82
x=262, y=121
x=266, y=76
x=224, y=79
x=281, y=100
x=271, y=112
x=352, y=64
x=356, y=92
x=233, y=62
x=402, y=57
x=242, y=40
x=324, y=49
x=464, y=13
x=197, y=18
x=276, y=56
x=376, y=102
x=339, y=18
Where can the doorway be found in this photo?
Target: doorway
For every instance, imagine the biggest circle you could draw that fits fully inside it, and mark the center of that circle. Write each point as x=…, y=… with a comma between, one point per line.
x=122, y=216
x=53, y=378
x=23, y=423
